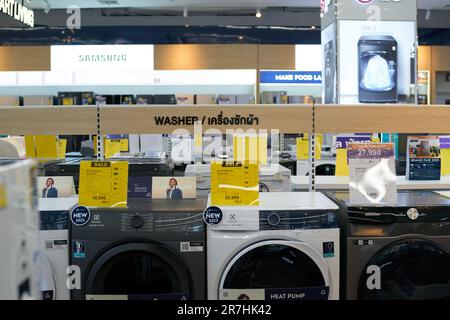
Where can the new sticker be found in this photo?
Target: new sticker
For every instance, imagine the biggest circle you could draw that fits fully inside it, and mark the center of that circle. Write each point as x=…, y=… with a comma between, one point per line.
x=80, y=216
x=212, y=216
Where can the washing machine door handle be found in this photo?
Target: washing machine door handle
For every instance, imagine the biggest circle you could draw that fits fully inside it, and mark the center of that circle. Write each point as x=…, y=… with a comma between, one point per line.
x=298, y=245
x=311, y=252
x=45, y=275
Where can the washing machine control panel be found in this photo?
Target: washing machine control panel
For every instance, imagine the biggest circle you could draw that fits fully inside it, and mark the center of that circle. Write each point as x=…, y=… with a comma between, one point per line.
x=161, y=222
x=298, y=219
x=137, y=222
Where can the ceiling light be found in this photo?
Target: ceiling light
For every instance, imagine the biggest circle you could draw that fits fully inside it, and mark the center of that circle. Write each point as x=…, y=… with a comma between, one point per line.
x=258, y=13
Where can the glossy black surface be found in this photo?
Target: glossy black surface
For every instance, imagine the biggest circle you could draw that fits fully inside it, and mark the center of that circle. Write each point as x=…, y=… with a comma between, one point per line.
x=274, y=266
x=409, y=270
x=136, y=273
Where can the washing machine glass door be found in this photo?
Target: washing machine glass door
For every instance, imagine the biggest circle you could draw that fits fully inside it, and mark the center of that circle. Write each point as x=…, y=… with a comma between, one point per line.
x=378, y=71
x=408, y=269
x=138, y=271
x=45, y=277
x=276, y=270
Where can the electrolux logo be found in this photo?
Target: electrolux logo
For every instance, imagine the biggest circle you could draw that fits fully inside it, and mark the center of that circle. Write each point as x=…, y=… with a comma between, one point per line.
x=102, y=57
x=17, y=11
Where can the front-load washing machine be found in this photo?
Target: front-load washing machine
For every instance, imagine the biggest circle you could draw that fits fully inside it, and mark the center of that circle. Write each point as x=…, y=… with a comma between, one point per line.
x=154, y=249
x=272, y=178
x=287, y=248
x=324, y=167
x=398, y=252
x=54, y=247
x=378, y=69
x=18, y=230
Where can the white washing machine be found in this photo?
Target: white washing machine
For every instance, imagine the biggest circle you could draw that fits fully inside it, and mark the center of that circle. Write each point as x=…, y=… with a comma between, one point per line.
x=18, y=230
x=272, y=178
x=287, y=248
x=53, y=252
x=324, y=167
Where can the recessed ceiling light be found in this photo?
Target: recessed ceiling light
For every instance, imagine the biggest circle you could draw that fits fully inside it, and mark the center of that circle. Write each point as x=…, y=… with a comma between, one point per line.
x=258, y=13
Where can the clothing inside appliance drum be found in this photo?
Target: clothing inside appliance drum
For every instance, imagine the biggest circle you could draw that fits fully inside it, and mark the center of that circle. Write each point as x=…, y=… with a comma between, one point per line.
x=271, y=269
x=379, y=71
x=139, y=271
x=409, y=270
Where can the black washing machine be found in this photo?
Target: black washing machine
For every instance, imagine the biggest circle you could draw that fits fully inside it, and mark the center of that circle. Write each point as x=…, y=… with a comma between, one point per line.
x=397, y=252
x=378, y=69
x=152, y=250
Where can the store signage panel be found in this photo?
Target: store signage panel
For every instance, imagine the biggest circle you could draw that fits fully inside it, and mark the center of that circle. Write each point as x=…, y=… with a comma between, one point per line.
x=102, y=58
x=17, y=11
x=297, y=77
x=377, y=10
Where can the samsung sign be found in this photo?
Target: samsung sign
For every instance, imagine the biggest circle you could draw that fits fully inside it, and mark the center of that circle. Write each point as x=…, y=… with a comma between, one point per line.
x=298, y=77
x=17, y=11
x=102, y=58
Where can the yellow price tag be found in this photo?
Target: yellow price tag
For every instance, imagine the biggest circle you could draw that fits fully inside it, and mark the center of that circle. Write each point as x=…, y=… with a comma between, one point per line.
x=445, y=162
x=198, y=141
x=30, y=147
x=3, y=196
x=303, y=147
x=62, y=146
x=251, y=148
x=234, y=184
x=124, y=145
x=342, y=168
x=46, y=147
x=112, y=147
x=103, y=183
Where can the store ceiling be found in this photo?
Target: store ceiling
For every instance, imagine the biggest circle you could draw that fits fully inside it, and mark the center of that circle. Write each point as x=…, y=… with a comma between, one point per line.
x=202, y=4
x=158, y=4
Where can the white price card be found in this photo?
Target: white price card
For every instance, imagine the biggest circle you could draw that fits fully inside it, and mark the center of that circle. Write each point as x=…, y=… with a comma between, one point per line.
x=372, y=174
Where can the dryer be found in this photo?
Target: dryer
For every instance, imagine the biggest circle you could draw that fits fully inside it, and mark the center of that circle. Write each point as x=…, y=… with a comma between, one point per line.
x=154, y=249
x=398, y=252
x=272, y=178
x=287, y=248
x=54, y=247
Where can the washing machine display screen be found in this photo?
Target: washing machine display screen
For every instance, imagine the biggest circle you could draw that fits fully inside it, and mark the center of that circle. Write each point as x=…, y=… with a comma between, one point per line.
x=379, y=71
x=138, y=275
x=54, y=220
x=407, y=270
x=274, y=272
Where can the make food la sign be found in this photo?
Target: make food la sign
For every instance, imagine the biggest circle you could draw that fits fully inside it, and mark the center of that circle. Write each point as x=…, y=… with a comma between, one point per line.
x=17, y=11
